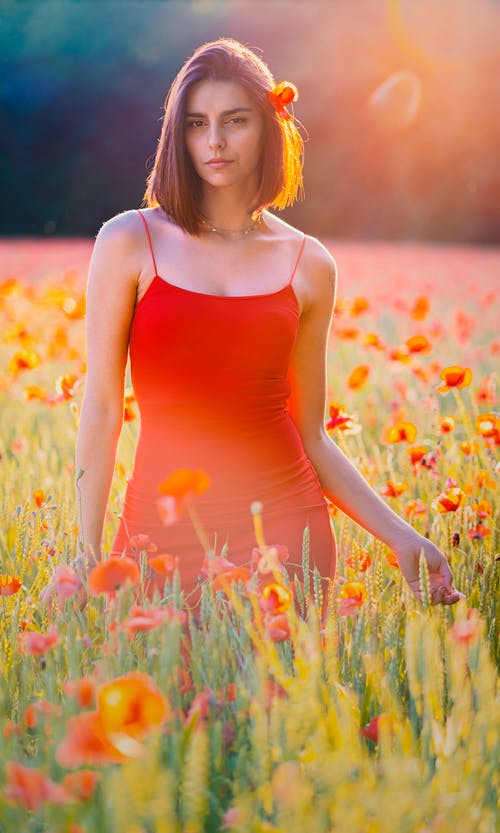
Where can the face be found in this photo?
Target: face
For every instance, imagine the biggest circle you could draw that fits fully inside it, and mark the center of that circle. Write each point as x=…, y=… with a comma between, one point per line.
x=221, y=121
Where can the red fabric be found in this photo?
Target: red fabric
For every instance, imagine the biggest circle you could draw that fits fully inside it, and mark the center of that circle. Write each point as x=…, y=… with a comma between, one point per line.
x=210, y=378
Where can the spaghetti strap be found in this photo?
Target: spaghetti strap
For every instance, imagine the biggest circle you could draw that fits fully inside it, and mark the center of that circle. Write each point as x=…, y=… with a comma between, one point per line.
x=149, y=239
x=298, y=258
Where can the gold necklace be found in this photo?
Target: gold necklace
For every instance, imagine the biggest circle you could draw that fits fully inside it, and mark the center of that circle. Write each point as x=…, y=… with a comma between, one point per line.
x=255, y=225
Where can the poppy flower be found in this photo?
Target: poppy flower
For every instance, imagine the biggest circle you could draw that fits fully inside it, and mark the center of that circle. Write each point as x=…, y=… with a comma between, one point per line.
x=281, y=95
x=85, y=743
x=82, y=690
x=399, y=354
x=449, y=500
x=277, y=626
x=224, y=580
x=415, y=507
x=447, y=425
x=485, y=394
x=454, y=377
x=39, y=496
x=468, y=447
x=420, y=307
x=416, y=453
x=41, y=708
x=9, y=585
x=373, y=340
x=184, y=482
x=338, y=416
x=352, y=595
x=267, y=560
x=36, y=643
x=488, y=425
x=131, y=705
x=418, y=344
x=364, y=561
x=66, y=582
x=393, y=489
x=467, y=631
x=401, y=432
x=81, y=785
x=31, y=787
x=112, y=573
x=358, y=306
x=479, y=531
x=140, y=543
x=275, y=598
x=23, y=360
x=347, y=333
x=143, y=620
x=358, y=376
x=372, y=729
x=483, y=508
x=164, y=564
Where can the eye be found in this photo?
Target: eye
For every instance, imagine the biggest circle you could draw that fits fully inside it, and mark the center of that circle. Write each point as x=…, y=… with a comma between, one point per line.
x=193, y=123
x=238, y=118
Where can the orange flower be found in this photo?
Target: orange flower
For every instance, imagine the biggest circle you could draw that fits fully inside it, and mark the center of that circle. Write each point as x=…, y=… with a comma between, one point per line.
x=275, y=598
x=399, y=354
x=140, y=543
x=338, y=417
x=487, y=425
x=81, y=785
x=467, y=447
x=67, y=385
x=267, y=560
x=364, y=561
x=394, y=489
x=9, y=585
x=39, y=497
x=448, y=501
x=447, y=425
x=485, y=394
x=478, y=531
x=85, y=743
x=112, y=573
x=420, y=307
x=415, y=507
x=43, y=708
x=131, y=705
x=36, y=643
x=352, y=595
x=347, y=333
x=183, y=482
x=163, y=564
x=467, y=631
x=483, y=479
x=81, y=690
x=454, y=377
x=391, y=558
x=373, y=340
x=418, y=344
x=224, y=580
x=143, y=620
x=401, y=432
x=417, y=452
x=483, y=508
x=281, y=95
x=277, y=626
x=358, y=306
x=23, y=360
x=358, y=376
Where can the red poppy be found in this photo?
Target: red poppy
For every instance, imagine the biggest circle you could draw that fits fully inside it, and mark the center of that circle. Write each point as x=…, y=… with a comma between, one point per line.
x=418, y=344
x=36, y=643
x=454, y=377
x=281, y=95
x=224, y=580
x=9, y=585
x=449, y=500
x=394, y=489
x=112, y=573
x=358, y=376
x=275, y=598
x=352, y=595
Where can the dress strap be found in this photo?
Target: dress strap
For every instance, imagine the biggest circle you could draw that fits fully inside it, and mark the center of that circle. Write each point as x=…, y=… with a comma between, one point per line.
x=298, y=258
x=149, y=239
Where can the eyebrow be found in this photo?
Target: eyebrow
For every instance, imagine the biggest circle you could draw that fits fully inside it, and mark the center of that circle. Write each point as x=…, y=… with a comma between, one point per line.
x=224, y=112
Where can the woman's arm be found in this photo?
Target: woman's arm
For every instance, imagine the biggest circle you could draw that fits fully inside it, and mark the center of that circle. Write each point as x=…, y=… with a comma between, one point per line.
x=110, y=296
x=342, y=483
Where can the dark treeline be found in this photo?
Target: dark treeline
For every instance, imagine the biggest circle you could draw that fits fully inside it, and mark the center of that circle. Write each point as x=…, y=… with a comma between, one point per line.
x=83, y=84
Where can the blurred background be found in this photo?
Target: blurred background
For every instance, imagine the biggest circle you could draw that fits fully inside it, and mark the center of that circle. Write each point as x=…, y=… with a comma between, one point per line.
x=399, y=108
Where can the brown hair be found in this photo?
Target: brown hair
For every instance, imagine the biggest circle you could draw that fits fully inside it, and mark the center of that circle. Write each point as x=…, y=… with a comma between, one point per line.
x=173, y=182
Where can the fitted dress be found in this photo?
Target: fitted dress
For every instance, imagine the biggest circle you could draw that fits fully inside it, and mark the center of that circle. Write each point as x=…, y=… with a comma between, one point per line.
x=210, y=377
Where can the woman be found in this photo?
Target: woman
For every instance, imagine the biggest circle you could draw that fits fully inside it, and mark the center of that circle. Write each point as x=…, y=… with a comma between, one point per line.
x=226, y=309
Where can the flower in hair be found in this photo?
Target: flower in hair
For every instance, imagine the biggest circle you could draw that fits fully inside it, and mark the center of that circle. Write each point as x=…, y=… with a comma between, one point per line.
x=282, y=94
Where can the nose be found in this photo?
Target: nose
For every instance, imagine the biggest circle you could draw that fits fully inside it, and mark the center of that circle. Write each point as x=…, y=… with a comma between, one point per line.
x=216, y=139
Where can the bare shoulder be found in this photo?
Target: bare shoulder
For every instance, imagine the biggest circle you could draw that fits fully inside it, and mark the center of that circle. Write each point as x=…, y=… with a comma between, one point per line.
x=317, y=263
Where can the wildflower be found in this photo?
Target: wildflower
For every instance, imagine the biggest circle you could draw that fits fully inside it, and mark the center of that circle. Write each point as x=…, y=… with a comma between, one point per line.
x=401, y=432
x=415, y=507
x=467, y=631
x=393, y=489
x=358, y=306
x=416, y=453
x=81, y=785
x=447, y=425
x=112, y=573
x=85, y=743
x=82, y=690
x=478, y=531
x=223, y=580
x=418, y=344
x=346, y=332
x=66, y=582
x=275, y=598
x=449, y=500
x=338, y=417
x=454, y=377
x=164, y=564
x=364, y=561
x=277, y=626
x=372, y=729
x=399, y=354
x=488, y=426
x=43, y=708
x=36, y=643
x=455, y=540
x=267, y=560
x=9, y=585
x=352, y=595
x=214, y=565
x=39, y=497
x=143, y=620
x=67, y=385
x=176, y=489
x=373, y=340
x=140, y=543
x=358, y=376
x=281, y=95
x=467, y=447
x=485, y=394
x=420, y=308
x=31, y=787
x=23, y=360
x=483, y=508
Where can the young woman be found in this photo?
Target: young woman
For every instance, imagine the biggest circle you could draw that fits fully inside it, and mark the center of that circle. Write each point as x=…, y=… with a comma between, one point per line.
x=226, y=310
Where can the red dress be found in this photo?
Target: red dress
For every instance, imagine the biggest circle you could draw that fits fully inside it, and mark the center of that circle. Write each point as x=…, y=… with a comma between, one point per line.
x=210, y=376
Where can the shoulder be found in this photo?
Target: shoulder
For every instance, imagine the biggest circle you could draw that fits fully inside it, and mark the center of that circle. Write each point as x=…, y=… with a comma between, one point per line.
x=317, y=262
x=125, y=226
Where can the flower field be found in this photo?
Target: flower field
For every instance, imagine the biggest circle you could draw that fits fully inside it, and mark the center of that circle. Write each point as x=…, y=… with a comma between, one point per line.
x=251, y=712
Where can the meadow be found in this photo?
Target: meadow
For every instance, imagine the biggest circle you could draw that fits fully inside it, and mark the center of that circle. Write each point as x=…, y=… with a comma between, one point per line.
x=139, y=714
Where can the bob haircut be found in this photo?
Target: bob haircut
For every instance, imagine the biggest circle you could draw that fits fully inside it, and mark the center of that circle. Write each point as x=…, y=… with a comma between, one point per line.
x=173, y=182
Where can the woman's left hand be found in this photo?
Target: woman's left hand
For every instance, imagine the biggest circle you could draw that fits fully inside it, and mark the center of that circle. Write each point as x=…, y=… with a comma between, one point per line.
x=407, y=552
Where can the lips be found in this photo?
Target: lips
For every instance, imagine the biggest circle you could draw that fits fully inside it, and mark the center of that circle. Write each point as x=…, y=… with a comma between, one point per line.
x=219, y=161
